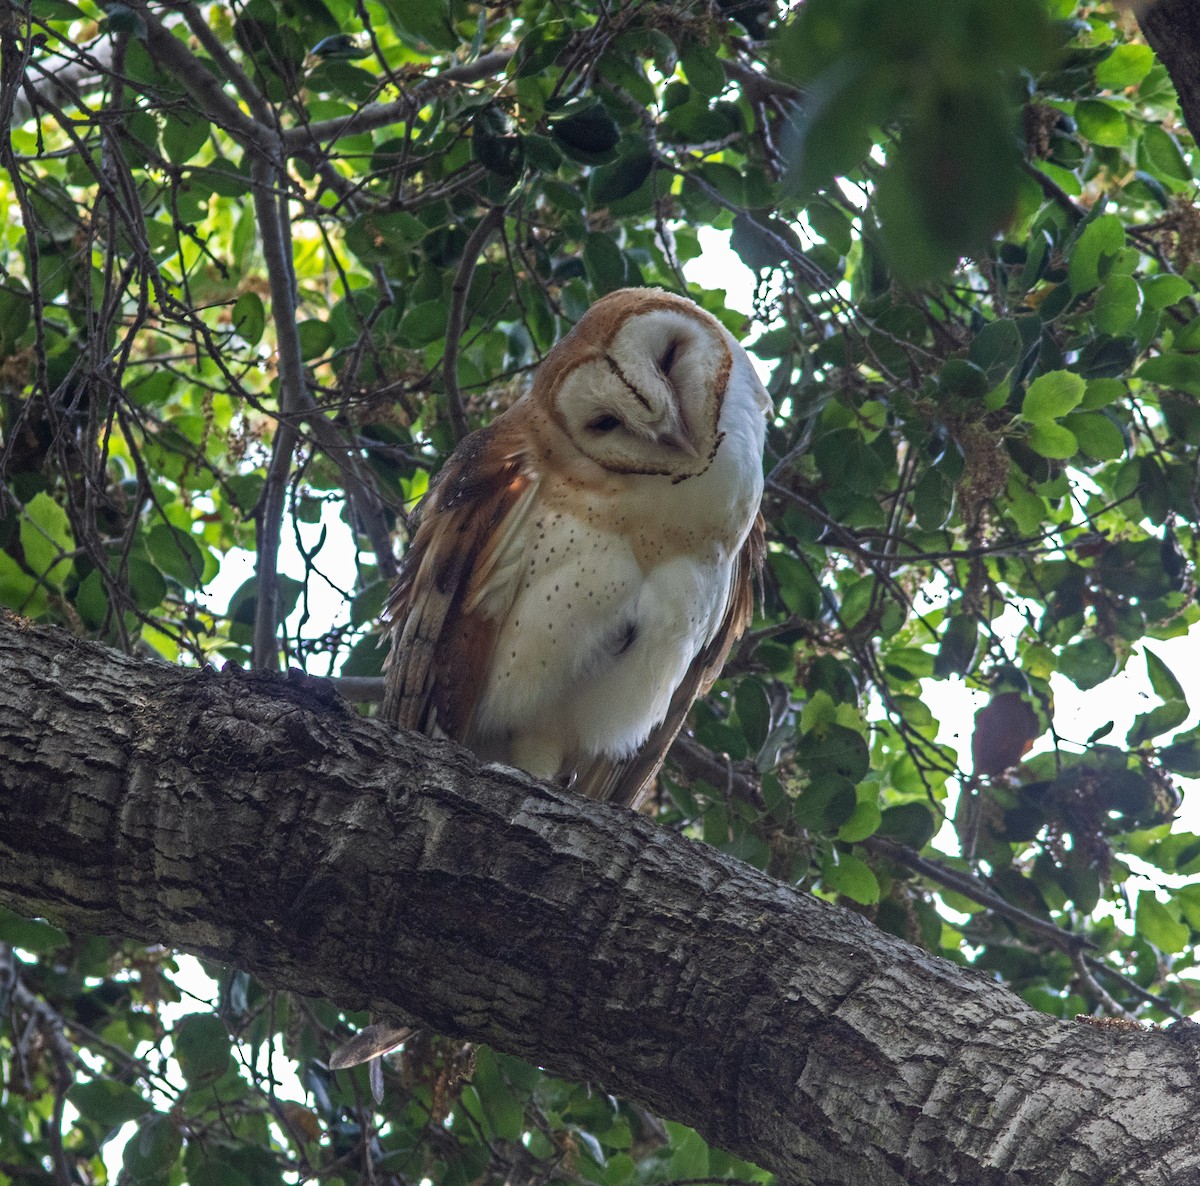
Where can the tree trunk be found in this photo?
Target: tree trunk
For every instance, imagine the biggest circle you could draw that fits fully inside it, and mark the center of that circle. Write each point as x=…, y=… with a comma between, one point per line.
x=1172, y=27
x=258, y=821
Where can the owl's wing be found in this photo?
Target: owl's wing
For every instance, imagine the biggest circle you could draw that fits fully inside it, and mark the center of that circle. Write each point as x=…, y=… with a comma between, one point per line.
x=630, y=781
x=457, y=581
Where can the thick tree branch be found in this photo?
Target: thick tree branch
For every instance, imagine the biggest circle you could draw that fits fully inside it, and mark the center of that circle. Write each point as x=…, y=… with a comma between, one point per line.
x=173, y=56
x=259, y=821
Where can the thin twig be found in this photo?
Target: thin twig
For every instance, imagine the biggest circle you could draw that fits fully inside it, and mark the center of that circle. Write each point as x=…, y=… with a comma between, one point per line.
x=458, y=306
x=1134, y=988
x=971, y=887
x=1098, y=990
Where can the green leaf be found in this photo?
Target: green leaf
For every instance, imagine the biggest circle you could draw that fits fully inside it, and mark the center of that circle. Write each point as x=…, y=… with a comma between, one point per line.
x=1180, y=371
x=1154, y=923
x=826, y=803
x=960, y=640
x=30, y=934
x=45, y=535
x=1052, y=395
x=152, y=1150
x=1096, y=435
x=424, y=323
x=763, y=243
x=15, y=314
x=505, y=1113
x=1087, y=663
x=863, y=823
x=689, y=1153
x=703, y=69
x=996, y=348
x=911, y=824
x=1126, y=66
x=1118, y=305
x=621, y=177
x=1163, y=719
x=120, y=18
x=154, y=389
x=108, y=1102
x=1101, y=239
x=851, y=877
x=177, y=554
x=588, y=135
x=604, y=262
x=831, y=749
x=1162, y=679
x=933, y=500
x=146, y=584
x=316, y=337
x=1182, y=757
x=340, y=47
x=830, y=133
x=201, y=1048
x=1102, y=392
x=222, y=178
x=249, y=318
x=1101, y=123
x=184, y=134
x=56, y=10
x=753, y=712
x=942, y=193
x=539, y=48
x=18, y=589
x=798, y=588
x=1162, y=154
x=1161, y=292
x=424, y=20
x=1052, y=440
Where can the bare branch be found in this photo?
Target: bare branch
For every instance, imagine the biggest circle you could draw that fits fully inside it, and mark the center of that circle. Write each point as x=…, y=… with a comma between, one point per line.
x=205, y=88
x=458, y=303
x=374, y=116
x=270, y=207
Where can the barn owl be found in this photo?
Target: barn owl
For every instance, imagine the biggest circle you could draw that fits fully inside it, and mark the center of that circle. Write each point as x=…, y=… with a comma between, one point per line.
x=584, y=563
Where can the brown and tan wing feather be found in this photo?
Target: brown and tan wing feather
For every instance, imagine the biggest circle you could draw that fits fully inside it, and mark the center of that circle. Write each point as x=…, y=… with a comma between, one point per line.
x=629, y=782
x=441, y=636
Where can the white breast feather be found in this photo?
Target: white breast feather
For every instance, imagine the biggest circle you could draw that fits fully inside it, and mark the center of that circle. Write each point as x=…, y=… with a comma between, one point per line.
x=567, y=590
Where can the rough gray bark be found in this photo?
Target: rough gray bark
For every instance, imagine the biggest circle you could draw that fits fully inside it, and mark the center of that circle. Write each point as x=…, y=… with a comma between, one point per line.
x=258, y=821
x=1172, y=27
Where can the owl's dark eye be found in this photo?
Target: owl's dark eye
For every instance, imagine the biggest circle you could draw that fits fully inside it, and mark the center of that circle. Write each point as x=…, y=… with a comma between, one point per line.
x=604, y=423
x=668, y=359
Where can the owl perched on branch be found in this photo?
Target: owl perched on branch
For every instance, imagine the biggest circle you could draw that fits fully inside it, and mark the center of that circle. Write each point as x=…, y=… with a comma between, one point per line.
x=584, y=563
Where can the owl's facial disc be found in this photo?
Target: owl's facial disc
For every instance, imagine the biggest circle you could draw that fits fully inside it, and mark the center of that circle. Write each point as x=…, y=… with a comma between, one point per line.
x=648, y=400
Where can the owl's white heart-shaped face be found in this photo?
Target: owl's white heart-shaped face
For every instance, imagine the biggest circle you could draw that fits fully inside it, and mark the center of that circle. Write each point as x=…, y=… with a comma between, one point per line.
x=640, y=391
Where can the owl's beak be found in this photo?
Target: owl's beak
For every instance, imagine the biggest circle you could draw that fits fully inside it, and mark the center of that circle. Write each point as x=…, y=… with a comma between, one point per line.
x=676, y=436
x=680, y=441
